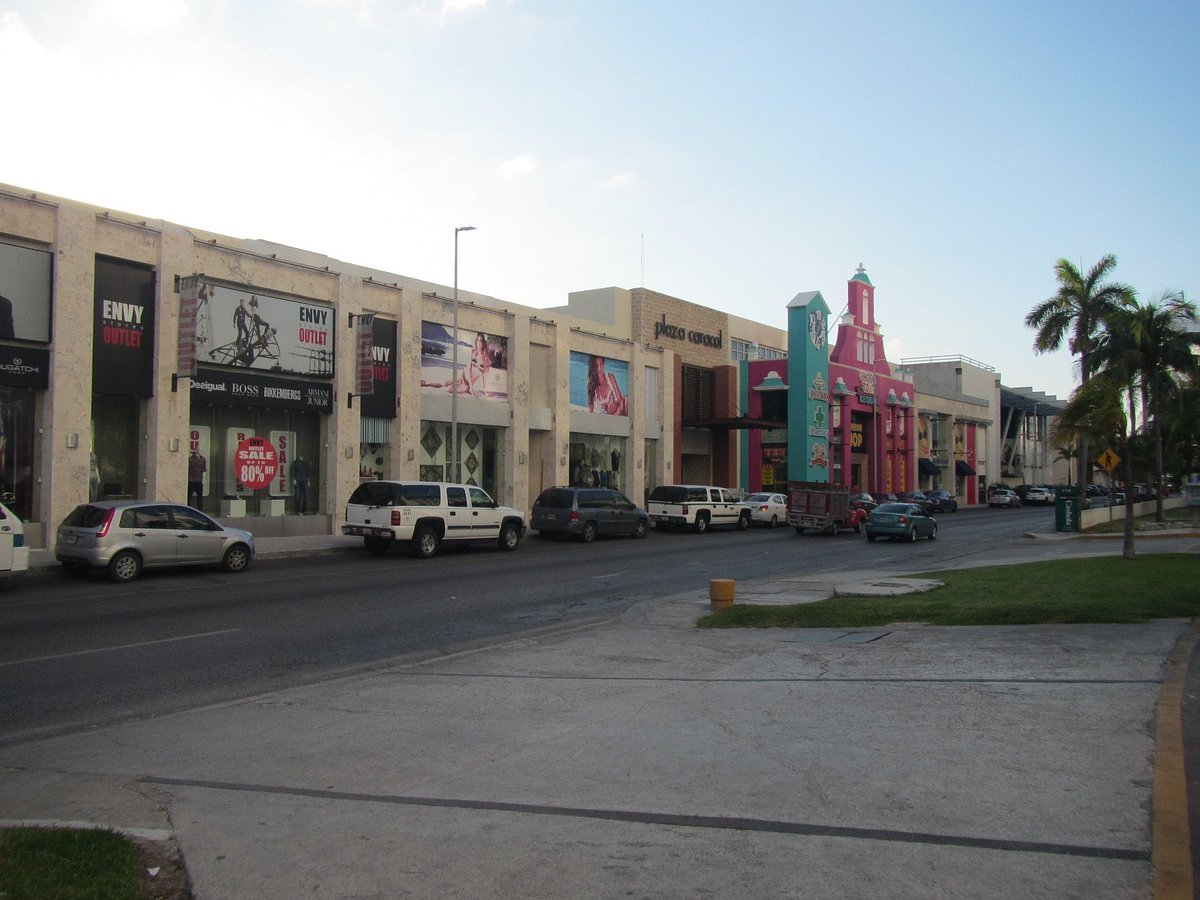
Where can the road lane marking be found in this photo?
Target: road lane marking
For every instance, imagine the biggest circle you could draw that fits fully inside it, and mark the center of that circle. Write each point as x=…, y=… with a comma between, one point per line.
x=183, y=637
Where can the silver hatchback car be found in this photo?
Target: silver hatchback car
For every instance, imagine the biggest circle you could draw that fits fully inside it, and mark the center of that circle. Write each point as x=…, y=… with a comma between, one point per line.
x=126, y=536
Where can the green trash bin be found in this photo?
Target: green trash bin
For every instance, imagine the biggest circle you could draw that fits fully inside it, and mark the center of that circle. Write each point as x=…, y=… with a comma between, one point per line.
x=1067, y=509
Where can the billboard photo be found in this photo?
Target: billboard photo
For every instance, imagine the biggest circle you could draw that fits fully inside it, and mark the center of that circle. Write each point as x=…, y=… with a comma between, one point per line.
x=599, y=384
x=482, y=358
x=25, y=276
x=256, y=331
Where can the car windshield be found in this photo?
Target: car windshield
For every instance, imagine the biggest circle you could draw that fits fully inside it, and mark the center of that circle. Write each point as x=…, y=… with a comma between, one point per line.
x=758, y=498
x=894, y=508
x=555, y=497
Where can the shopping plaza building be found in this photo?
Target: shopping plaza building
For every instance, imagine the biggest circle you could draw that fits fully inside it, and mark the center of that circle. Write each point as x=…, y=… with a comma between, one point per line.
x=141, y=358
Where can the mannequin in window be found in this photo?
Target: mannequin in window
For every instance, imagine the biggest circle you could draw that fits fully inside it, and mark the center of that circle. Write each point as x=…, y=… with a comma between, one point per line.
x=301, y=473
x=197, y=466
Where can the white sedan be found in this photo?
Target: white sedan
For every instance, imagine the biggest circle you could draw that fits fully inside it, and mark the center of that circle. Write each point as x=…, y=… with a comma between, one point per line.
x=766, y=509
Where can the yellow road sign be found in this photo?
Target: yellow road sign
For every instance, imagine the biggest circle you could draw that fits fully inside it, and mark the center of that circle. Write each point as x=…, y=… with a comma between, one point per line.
x=1109, y=460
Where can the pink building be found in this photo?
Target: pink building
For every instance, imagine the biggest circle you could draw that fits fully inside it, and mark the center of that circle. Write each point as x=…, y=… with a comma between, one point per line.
x=873, y=425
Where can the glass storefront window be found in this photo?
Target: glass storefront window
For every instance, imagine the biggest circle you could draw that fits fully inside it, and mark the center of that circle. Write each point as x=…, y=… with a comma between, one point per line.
x=116, y=457
x=214, y=435
x=479, y=451
x=597, y=460
x=16, y=450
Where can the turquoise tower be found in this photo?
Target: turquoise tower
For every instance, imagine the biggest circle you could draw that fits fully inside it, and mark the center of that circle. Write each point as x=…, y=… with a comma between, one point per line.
x=809, y=456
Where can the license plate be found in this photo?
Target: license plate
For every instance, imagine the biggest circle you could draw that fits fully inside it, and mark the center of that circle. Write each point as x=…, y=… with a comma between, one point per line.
x=69, y=538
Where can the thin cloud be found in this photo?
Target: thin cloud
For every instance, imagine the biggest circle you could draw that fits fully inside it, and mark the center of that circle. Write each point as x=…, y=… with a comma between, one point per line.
x=518, y=167
x=622, y=181
x=140, y=16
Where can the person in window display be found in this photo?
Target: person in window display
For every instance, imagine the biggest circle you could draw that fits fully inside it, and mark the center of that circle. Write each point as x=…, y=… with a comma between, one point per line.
x=604, y=394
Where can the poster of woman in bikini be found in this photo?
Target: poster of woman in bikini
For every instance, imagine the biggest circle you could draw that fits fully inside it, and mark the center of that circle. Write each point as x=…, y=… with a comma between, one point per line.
x=482, y=369
x=599, y=384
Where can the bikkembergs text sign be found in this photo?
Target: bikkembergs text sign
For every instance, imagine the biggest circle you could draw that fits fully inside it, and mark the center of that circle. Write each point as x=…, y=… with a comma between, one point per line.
x=249, y=389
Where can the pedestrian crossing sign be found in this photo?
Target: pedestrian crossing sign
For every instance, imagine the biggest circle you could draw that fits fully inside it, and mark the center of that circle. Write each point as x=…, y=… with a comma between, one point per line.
x=1109, y=460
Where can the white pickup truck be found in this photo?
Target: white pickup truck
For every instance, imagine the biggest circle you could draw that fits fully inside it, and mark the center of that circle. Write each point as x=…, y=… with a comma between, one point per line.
x=695, y=506
x=423, y=514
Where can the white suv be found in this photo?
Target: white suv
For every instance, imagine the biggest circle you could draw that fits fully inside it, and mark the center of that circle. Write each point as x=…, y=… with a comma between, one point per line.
x=425, y=513
x=696, y=506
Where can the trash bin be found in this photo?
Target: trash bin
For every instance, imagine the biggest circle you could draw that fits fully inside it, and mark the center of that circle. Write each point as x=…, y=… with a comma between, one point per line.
x=1067, y=508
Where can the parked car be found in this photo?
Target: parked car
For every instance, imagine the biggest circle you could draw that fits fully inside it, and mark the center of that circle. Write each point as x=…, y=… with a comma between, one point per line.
x=942, y=501
x=695, y=506
x=766, y=508
x=884, y=498
x=14, y=555
x=863, y=501
x=901, y=521
x=587, y=513
x=126, y=536
x=1038, y=494
x=1004, y=497
x=917, y=497
x=423, y=514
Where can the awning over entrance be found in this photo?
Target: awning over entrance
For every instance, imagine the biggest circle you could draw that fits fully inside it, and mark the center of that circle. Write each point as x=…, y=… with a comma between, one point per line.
x=928, y=467
x=963, y=468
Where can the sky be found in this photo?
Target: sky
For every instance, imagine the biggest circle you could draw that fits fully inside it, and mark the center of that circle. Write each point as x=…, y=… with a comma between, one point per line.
x=728, y=154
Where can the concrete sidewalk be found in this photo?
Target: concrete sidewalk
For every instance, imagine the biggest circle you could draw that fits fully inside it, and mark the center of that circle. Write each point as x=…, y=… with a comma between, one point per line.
x=645, y=757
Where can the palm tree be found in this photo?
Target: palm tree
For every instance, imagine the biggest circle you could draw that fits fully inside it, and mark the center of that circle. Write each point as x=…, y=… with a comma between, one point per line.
x=1151, y=347
x=1079, y=308
x=1096, y=410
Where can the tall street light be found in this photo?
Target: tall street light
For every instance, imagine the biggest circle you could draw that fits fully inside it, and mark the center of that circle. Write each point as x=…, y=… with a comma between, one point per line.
x=455, y=465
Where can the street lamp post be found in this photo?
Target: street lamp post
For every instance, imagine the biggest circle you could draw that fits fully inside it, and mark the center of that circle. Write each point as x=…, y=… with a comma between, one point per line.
x=455, y=466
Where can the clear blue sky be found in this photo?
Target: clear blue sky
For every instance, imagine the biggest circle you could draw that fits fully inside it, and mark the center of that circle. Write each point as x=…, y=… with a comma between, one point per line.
x=754, y=149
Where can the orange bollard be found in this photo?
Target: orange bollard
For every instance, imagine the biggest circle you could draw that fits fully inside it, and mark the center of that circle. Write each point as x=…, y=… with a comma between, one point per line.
x=720, y=593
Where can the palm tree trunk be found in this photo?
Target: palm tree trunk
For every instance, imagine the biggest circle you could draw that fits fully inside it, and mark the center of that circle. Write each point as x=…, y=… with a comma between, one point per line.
x=1128, y=551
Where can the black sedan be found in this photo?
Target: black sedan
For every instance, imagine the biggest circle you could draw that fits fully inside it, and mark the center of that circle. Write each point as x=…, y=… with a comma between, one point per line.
x=941, y=501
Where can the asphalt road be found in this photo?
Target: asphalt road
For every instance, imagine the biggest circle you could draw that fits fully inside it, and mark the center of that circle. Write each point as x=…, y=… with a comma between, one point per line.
x=78, y=652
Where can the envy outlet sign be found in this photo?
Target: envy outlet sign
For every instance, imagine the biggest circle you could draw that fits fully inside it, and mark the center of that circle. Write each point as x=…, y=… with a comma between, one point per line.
x=256, y=463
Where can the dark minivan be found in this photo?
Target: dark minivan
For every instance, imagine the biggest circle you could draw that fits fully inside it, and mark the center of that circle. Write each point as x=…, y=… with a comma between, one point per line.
x=587, y=512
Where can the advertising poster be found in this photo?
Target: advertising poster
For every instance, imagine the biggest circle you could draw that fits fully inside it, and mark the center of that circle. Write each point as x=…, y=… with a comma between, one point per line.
x=199, y=441
x=25, y=278
x=283, y=442
x=482, y=362
x=256, y=331
x=381, y=402
x=233, y=439
x=123, y=342
x=599, y=384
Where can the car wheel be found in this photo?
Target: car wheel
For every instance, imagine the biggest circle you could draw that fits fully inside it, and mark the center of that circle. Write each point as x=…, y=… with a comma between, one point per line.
x=377, y=546
x=510, y=537
x=774, y=521
x=912, y=535
x=870, y=538
x=589, y=532
x=933, y=534
x=701, y=524
x=641, y=529
x=75, y=568
x=125, y=566
x=236, y=559
x=858, y=527
x=743, y=522
x=799, y=530
x=425, y=542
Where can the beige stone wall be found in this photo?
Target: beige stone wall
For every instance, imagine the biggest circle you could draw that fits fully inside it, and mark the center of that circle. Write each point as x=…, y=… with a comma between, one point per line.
x=536, y=420
x=690, y=331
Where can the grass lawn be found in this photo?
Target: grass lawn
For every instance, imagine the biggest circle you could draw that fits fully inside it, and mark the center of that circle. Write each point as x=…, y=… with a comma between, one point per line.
x=86, y=864
x=1073, y=591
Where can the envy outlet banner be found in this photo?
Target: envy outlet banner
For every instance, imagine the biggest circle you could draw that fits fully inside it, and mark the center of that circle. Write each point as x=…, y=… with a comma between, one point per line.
x=123, y=341
x=258, y=331
x=364, y=381
x=190, y=290
x=381, y=402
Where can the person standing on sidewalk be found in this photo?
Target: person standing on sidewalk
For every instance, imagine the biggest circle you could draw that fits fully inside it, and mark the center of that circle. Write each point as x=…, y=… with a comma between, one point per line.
x=197, y=466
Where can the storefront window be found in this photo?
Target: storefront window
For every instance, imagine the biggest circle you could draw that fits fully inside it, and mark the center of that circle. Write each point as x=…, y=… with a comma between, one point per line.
x=478, y=455
x=116, y=457
x=598, y=460
x=214, y=435
x=16, y=450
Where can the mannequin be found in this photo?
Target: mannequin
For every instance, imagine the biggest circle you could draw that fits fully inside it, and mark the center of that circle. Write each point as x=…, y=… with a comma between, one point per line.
x=197, y=466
